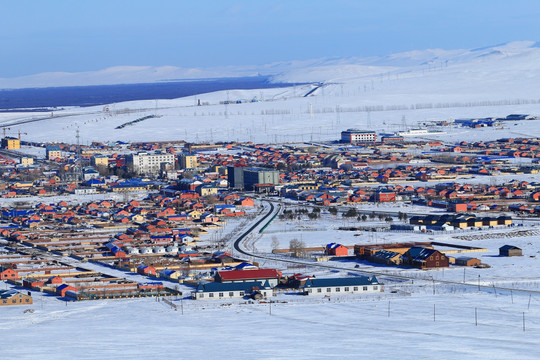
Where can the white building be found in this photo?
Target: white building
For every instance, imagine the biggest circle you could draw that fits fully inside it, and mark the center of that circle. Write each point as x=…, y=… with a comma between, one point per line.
x=85, y=191
x=146, y=163
x=341, y=286
x=353, y=136
x=413, y=132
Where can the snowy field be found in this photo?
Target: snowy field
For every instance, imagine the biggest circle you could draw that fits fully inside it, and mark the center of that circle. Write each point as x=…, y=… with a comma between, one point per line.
x=340, y=328
x=512, y=272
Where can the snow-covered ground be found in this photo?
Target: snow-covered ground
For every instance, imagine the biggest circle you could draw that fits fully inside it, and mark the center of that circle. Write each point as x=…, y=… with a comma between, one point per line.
x=513, y=272
x=340, y=328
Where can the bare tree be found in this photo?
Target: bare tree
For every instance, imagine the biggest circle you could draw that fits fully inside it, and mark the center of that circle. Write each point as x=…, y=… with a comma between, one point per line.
x=275, y=243
x=297, y=248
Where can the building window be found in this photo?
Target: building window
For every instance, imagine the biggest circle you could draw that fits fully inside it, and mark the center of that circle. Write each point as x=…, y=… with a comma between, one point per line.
x=364, y=288
x=347, y=289
x=338, y=289
x=355, y=288
x=220, y=294
x=211, y=295
x=319, y=290
x=241, y=293
x=201, y=295
x=309, y=291
x=375, y=287
x=231, y=294
x=328, y=290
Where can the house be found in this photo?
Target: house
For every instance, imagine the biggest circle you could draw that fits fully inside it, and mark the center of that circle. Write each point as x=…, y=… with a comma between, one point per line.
x=8, y=274
x=457, y=207
x=387, y=257
x=146, y=270
x=510, y=250
x=489, y=221
x=235, y=290
x=424, y=258
x=55, y=280
x=385, y=195
x=336, y=250
x=170, y=274
x=270, y=275
x=246, y=202
x=337, y=286
x=209, y=218
x=12, y=297
x=53, y=152
x=504, y=220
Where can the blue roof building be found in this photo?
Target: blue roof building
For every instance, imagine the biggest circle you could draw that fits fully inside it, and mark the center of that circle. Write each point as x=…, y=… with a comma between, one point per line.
x=216, y=290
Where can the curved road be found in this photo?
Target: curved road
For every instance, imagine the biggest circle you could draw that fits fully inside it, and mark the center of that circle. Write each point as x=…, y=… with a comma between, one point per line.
x=248, y=231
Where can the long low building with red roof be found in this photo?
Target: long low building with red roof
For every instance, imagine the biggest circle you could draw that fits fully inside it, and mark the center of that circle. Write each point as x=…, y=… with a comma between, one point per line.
x=272, y=275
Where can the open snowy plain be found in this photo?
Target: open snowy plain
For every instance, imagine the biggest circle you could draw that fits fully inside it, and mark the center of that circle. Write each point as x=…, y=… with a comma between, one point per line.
x=352, y=328
x=385, y=94
x=422, y=319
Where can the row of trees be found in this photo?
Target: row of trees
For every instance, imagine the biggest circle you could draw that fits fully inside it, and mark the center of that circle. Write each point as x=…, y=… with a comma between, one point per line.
x=291, y=215
x=351, y=213
x=297, y=247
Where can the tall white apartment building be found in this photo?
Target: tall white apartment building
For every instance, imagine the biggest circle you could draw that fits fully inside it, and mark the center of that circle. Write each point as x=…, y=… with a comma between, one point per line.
x=146, y=163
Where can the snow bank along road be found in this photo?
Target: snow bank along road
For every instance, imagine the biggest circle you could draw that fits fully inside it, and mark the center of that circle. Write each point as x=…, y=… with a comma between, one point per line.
x=238, y=242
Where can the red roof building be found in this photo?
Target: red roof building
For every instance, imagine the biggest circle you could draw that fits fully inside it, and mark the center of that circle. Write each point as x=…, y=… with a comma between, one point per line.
x=272, y=275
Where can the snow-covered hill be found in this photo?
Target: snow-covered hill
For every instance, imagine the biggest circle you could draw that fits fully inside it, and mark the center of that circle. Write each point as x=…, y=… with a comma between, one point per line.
x=378, y=92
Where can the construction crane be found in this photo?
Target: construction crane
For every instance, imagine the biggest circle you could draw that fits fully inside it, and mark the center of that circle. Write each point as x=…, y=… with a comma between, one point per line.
x=19, y=133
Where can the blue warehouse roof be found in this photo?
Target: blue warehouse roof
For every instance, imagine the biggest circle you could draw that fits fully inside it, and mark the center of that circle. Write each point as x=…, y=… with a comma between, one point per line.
x=348, y=281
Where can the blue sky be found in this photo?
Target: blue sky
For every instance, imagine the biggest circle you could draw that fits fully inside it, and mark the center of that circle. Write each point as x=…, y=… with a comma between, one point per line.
x=67, y=35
